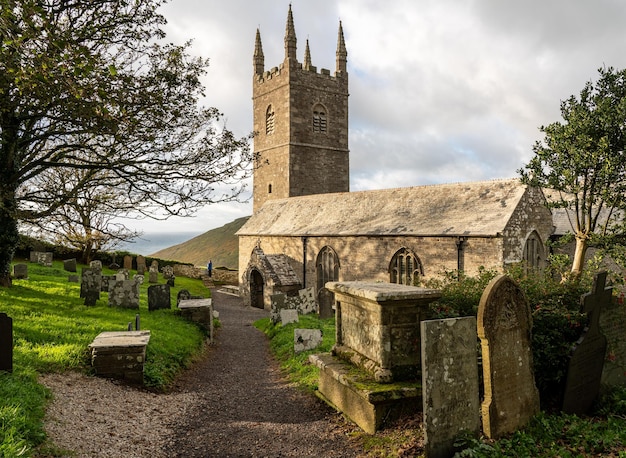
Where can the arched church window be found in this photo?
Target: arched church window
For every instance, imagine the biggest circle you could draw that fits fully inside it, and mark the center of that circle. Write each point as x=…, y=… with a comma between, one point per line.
x=320, y=121
x=327, y=267
x=405, y=268
x=269, y=121
x=534, y=253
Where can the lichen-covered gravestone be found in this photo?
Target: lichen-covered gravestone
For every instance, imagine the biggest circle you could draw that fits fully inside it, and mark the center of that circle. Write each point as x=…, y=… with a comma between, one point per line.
x=141, y=265
x=6, y=343
x=449, y=383
x=587, y=361
x=306, y=339
x=128, y=262
x=504, y=328
x=91, y=285
x=124, y=293
x=20, y=271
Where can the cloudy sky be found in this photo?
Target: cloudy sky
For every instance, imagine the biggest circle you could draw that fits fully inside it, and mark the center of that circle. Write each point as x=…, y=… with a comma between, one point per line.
x=440, y=90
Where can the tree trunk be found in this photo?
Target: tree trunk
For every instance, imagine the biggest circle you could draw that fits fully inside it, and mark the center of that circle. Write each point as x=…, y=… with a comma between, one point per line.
x=9, y=236
x=579, y=257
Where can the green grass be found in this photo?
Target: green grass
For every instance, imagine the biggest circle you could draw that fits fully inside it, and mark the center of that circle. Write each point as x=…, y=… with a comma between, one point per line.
x=51, y=333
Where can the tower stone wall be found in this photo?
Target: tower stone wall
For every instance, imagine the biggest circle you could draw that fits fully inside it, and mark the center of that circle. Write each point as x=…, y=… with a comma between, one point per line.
x=301, y=124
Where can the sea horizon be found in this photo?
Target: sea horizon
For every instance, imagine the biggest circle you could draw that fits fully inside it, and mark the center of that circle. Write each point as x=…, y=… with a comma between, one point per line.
x=150, y=243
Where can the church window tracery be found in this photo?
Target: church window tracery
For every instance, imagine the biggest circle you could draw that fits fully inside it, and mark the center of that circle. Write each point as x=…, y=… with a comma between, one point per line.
x=405, y=267
x=534, y=253
x=327, y=267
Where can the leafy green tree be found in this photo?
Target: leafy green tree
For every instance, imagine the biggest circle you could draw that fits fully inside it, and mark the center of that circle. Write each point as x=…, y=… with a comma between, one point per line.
x=89, y=85
x=582, y=163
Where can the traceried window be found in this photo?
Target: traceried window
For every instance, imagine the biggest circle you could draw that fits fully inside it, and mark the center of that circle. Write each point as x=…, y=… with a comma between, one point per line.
x=269, y=121
x=405, y=268
x=320, y=121
x=534, y=253
x=327, y=267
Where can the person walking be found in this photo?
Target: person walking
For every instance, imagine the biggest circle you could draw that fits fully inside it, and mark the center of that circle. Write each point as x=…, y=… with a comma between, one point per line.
x=209, y=268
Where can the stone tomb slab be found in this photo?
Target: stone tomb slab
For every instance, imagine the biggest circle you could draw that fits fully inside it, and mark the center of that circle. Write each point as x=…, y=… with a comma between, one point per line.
x=120, y=355
x=449, y=383
x=378, y=326
x=306, y=339
x=370, y=405
x=199, y=311
x=584, y=372
x=504, y=328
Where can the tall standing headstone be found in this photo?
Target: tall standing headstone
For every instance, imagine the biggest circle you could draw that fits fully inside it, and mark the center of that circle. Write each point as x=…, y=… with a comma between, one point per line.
x=159, y=297
x=449, y=383
x=504, y=328
x=6, y=343
x=584, y=373
x=91, y=285
x=70, y=265
x=128, y=262
x=141, y=265
x=20, y=271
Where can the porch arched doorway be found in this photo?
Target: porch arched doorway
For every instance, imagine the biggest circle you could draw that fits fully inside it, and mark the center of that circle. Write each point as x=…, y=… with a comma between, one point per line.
x=257, y=286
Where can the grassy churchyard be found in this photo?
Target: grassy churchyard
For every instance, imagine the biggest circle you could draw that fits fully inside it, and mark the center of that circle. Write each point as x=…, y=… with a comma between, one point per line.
x=52, y=330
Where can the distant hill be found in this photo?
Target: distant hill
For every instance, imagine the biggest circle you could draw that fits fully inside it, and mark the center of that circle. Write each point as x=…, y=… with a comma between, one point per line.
x=220, y=245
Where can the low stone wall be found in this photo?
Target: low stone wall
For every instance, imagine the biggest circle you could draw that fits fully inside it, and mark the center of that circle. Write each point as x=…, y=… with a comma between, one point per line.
x=229, y=277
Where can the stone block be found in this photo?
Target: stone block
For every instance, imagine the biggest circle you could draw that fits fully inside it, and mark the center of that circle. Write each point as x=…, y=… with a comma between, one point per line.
x=199, y=311
x=306, y=339
x=70, y=265
x=120, y=355
x=20, y=271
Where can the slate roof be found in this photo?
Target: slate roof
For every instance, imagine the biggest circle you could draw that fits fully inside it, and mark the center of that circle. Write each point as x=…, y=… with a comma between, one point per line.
x=475, y=208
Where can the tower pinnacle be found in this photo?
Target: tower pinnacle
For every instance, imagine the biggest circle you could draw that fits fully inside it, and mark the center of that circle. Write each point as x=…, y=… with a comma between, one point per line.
x=342, y=53
x=307, y=57
x=290, y=37
x=258, y=59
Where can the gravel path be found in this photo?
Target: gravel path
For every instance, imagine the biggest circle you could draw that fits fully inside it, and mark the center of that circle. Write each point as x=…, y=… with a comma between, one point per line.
x=233, y=403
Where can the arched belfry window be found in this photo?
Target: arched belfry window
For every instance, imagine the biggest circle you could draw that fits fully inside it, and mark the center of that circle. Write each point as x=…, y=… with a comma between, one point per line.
x=320, y=119
x=534, y=252
x=405, y=268
x=269, y=120
x=327, y=267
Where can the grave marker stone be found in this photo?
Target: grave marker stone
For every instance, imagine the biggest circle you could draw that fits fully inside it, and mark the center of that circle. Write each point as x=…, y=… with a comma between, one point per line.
x=170, y=281
x=159, y=297
x=44, y=259
x=306, y=339
x=288, y=316
x=154, y=265
x=106, y=281
x=278, y=303
x=449, y=383
x=139, y=279
x=141, y=265
x=504, y=328
x=20, y=271
x=613, y=326
x=168, y=272
x=124, y=293
x=96, y=264
x=6, y=343
x=70, y=265
x=153, y=276
x=587, y=361
x=91, y=285
x=326, y=301
x=128, y=262
x=307, y=301
x=73, y=279
x=182, y=295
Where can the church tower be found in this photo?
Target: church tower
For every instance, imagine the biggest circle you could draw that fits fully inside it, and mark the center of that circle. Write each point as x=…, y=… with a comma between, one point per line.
x=301, y=123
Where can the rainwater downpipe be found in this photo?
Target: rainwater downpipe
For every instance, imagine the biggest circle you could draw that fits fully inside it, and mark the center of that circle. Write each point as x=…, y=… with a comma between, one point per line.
x=460, y=246
x=304, y=240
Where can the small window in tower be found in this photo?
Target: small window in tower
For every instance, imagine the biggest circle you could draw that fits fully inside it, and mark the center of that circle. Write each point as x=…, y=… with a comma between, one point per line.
x=269, y=121
x=320, y=122
x=269, y=188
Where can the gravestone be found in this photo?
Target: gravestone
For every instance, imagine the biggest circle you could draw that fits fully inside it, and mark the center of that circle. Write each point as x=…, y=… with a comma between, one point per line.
x=168, y=272
x=159, y=297
x=70, y=265
x=154, y=265
x=124, y=293
x=504, y=328
x=288, y=316
x=182, y=295
x=123, y=274
x=326, y=301
x=42, y=258
x=613, y=327
x=6, y=343
x=106, y=281
x=307, y=302
x=139, y=279
x=170, y=281
x=153, y=276
x=278, y=303
x=450, y=391
x=91, y=285
x=128, y=262
x=96, y=264
x=587, y=359
x=141, y=265
x=20, y=271
x=73, y=279
x=306, y=339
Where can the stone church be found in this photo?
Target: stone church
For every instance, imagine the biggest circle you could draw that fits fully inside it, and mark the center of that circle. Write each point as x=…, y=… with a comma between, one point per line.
x=308, y=228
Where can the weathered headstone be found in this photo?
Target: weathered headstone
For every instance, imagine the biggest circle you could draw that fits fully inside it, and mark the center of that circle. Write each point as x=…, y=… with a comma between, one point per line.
x=123, y=274
x=73, y=279
x=139, y=279
x=6, y=343
x=288, y=316
x=124, y=293
x=44, y=259
x=587, y=361
x=91, y=285
x=449, y=383
x=128, y=262
x=613, y=326
x=70, y=265
x=182, y=295
x=168, y=272
x=504, y=328
x=326, y=301
x=159, y=297
x=153, y=276
x=307, y=301
x=20, y=271
x=306, y=339
x=96, y=264
x=154, y=265
x=170, y=281
x=278, y=303
x=106, y=281
x=141, y=265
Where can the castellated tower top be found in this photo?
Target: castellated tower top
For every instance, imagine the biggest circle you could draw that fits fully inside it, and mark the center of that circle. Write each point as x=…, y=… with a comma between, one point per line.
x=300, y=121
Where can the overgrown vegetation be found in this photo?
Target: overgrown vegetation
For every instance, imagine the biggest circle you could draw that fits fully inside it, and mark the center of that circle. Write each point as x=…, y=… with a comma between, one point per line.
x=52, y=330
